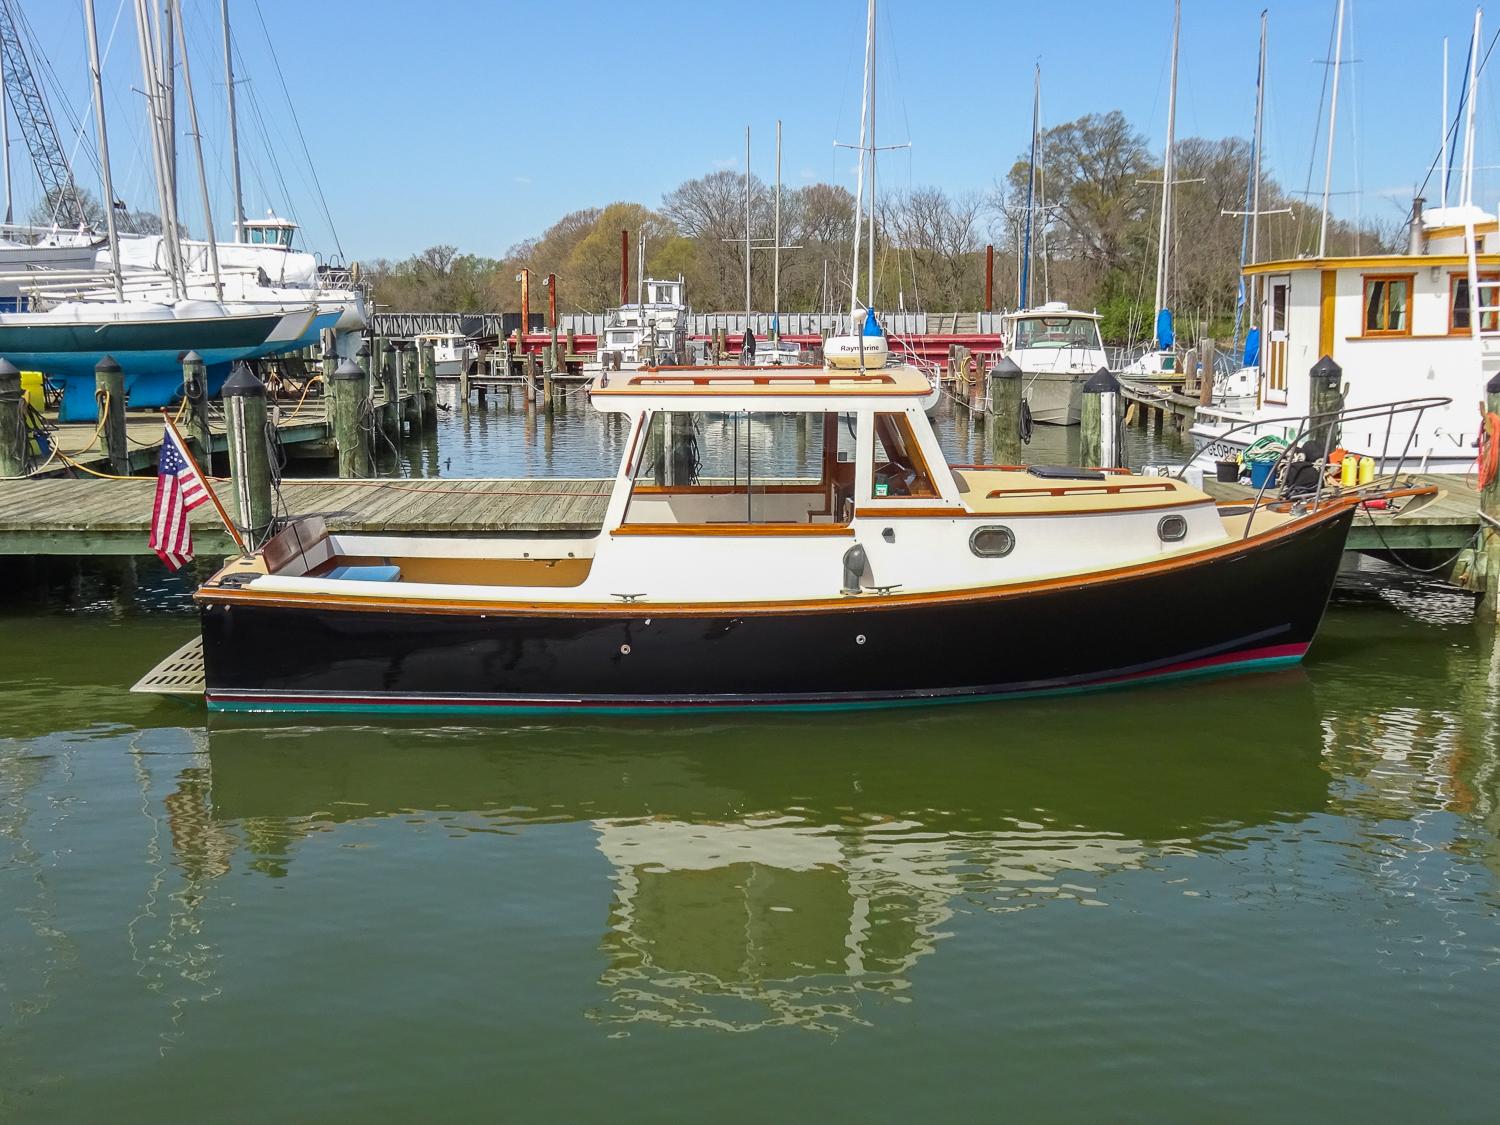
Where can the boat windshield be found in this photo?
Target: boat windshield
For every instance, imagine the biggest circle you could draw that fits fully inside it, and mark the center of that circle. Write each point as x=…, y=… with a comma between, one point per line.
x=1056, y=332
x=758, y=467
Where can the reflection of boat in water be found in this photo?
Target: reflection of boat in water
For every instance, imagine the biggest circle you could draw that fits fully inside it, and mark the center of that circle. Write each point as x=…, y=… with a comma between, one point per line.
x=726, y=903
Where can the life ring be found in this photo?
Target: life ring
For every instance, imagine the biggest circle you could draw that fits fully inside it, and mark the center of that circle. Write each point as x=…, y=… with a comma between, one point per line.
x=1489, y=449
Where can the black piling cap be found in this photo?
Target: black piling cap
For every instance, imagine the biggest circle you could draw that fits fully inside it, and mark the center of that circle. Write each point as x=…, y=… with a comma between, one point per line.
x=192, y=357
x=1325, y=368
x=9, y=370
x=1101, y=382
x=106, y=366
x=242, y=383
x=390, y=347
x=1007, y=368
x=402, y=345
x=1492, y=387
x=348, y=371
x=364, y=350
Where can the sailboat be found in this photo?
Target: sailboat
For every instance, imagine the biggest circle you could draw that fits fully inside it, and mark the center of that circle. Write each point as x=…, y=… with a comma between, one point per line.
x=1159, y=362
x=864, y=347
x=1237, y=389
x=1056, y=347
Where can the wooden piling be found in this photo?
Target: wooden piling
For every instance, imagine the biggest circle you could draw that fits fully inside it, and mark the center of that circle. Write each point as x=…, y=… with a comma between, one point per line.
x=427, y=380
x=1005, y=406
x=249, y=454
x=1325, y=400
x=1206, y=384
x=1100, y=421
x=346, y=387
x=109, y=392
x=195, y=394
x=12, y=422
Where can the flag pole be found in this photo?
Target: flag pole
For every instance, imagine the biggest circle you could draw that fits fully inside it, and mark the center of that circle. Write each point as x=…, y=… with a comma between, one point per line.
x=207, y=485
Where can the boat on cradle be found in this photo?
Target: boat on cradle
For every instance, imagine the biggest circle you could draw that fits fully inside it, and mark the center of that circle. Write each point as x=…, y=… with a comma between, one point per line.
x=1057, y=349
x=852, y=566
x=1397, y=325
x=146, y=339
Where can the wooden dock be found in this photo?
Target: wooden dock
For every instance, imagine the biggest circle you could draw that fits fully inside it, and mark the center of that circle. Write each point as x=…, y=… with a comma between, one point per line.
x=110, y=517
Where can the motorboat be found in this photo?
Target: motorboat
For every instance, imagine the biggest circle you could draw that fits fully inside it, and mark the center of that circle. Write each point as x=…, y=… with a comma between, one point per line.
x=1057, y=349
x=652, y=329
x=451, y=352
x=851, y=566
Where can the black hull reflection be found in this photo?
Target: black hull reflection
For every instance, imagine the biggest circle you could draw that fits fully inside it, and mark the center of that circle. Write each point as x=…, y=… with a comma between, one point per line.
x=1253, y=608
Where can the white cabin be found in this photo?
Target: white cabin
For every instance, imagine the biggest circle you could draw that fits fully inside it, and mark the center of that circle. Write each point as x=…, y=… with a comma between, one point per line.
x=1399, y=326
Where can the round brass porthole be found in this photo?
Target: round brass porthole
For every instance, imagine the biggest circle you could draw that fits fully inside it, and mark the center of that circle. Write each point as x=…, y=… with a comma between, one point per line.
x=1172, y=529
x=992, y=542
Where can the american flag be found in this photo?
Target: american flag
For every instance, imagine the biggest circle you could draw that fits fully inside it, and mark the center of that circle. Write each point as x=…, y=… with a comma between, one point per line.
x=179, y=489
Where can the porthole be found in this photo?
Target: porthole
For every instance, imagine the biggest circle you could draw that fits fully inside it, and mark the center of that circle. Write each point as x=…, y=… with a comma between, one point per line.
x=1172, y=529
x=993, y=542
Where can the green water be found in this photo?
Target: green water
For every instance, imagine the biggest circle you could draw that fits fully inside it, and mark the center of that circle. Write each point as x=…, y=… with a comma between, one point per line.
x=1265, y=897
x=1271, y=896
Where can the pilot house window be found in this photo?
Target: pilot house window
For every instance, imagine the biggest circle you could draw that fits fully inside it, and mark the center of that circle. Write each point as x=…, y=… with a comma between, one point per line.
x=1489, y=295
x=1388, y=306
x=900, y=469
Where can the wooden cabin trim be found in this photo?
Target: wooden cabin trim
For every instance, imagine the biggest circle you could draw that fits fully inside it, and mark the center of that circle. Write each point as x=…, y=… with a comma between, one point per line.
x=911, y=513
x=1328, y=292
x=1453, y=280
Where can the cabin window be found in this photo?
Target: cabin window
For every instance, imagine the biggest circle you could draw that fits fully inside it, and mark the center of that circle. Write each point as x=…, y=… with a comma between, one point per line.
x=1056, y=332
x=698, y=469
x=1388, y=306
x=900, y=469
x=1458, y=306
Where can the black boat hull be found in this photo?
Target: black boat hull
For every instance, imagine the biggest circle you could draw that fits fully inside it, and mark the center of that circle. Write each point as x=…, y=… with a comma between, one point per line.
x=1254, y=605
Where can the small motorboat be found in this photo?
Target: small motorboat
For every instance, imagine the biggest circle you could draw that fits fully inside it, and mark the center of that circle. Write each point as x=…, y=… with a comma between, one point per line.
x=848, y=565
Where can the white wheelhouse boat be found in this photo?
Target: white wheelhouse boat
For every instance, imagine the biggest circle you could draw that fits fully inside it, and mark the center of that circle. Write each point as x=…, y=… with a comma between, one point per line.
x=1398, y=325
x=825, y=555
x=653, y=329
x=451, y=352
x=1057, y=349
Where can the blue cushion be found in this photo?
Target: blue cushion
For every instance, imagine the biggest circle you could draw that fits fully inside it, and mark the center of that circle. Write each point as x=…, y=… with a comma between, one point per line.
x=366, y=573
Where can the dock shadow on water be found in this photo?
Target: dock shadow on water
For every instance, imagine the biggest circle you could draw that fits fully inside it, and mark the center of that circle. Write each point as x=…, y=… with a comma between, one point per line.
x=1081, y=900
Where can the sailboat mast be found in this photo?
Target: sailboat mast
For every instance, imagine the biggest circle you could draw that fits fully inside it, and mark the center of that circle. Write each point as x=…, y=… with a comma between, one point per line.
x=109, y=188
x=776, y=246
x=192, y=105
x=1260, y=105
x=150, y=78
x=747, y=228
x=5, y=142
x=1164, y=242
x=1024, y=290
x=859, y=176
x=234, y=129
x=1333, y=109
x=870, y=249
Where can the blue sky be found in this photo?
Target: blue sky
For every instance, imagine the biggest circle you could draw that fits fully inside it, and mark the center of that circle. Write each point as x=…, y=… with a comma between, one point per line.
x=479, y=122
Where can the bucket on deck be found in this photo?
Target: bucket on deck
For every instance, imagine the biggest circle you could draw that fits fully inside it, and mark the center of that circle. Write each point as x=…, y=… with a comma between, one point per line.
x=1227, y=471
x=1260, y=472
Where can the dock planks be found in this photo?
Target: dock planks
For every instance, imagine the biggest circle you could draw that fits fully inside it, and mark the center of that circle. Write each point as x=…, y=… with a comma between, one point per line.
x=91, y=516
x=55, y=516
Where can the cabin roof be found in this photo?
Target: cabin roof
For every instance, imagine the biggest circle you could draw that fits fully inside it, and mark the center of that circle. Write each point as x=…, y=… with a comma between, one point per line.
x=1372, y=262
x=734, y=382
